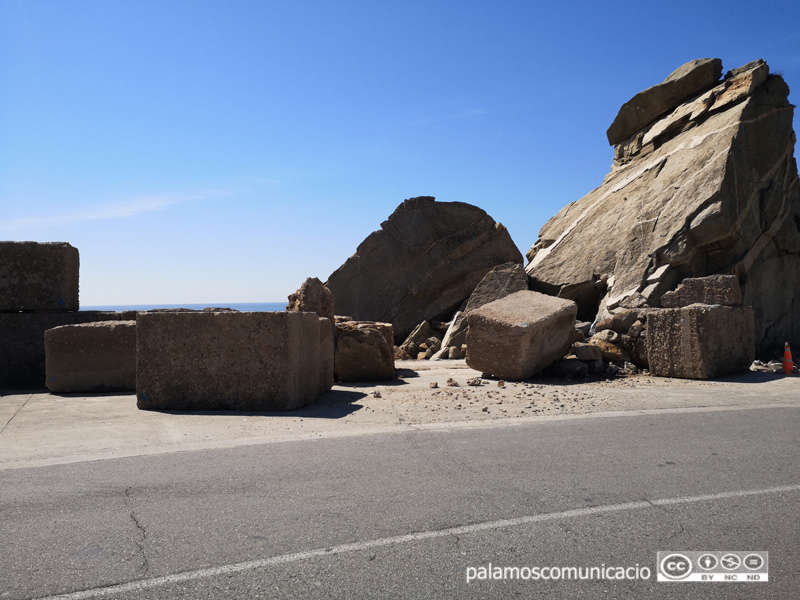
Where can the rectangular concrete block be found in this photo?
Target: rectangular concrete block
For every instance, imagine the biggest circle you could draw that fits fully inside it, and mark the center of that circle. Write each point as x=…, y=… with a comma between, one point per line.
x=326, y=354
x=38, y=276
x=519, y=335
x=700, y=341
x=22, y=352
x=227, y=361
x=91, y=357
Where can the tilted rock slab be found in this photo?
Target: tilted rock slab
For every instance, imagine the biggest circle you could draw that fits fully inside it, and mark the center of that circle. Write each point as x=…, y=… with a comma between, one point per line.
x=38, y=276
x=228, y=360
x=91, y=357
x=425, y=260
x=519, y=335
x=708, y=188
x=700, y=341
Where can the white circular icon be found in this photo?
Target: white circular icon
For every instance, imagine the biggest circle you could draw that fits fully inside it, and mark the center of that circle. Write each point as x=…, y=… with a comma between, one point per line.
x=707, y=562
x=676, y=566
x=753, y=561
x=730, y=562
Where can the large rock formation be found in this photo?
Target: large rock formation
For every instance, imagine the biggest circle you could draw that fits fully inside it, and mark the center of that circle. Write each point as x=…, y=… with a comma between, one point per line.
x=424, y=262
x=704, y=183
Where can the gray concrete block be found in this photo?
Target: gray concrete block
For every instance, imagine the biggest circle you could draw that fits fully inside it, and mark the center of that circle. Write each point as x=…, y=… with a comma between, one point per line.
x=22, y=352
x=38, y=276
x=91, y=357
x=227, y=361
x=326, y=354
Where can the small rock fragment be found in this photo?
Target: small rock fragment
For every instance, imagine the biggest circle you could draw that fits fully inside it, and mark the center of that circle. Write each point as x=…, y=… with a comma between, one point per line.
x=434, y=384
x=474, y=381
x=501, y=384
x=376, y=394
x=452, y=382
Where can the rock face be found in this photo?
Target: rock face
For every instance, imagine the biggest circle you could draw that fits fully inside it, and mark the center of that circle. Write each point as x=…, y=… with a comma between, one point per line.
x=22, y=351
x=38, y=276
x=314, y=297
x=707, y=185
x=91, y=357
x=364, y=351
x=519, y=335
x=227, y=361
x=700, y=341
x=425, y=260
x=500, y=282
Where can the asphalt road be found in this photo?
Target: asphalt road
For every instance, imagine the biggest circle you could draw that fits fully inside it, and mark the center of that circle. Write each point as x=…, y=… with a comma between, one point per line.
x=406, y=515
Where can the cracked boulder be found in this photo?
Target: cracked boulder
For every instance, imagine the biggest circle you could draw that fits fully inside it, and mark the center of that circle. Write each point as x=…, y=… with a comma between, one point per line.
x=423, y=262
x=704, y=182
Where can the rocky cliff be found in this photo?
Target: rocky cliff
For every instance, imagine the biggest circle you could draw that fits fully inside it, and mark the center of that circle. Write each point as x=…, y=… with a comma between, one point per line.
x=704, y=181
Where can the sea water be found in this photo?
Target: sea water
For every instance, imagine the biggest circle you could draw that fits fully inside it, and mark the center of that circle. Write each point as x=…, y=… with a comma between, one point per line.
x=240, y=306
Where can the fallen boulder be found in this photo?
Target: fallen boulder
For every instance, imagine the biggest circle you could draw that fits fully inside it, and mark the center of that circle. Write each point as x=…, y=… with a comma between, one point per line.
x=700, y=341
x=314, y=297
x=519, y=335
x=500, y=282
x=714, y=289
x=91, y=357
x=422, y=264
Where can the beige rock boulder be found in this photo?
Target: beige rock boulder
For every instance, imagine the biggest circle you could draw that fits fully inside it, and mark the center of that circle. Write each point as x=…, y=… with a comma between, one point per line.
x=500, y=282
x=519, y=335
x=314, y=297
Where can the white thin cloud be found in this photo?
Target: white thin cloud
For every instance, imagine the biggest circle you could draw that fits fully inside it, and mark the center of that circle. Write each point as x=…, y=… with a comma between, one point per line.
x=112, y=210
x=466, y=113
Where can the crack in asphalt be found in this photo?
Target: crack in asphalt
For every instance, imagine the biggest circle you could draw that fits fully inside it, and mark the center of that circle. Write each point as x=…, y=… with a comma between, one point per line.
x=16, y=412
x=142, y=537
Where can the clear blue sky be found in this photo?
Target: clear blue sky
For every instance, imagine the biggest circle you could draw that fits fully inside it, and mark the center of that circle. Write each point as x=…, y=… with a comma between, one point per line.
x=223, y=151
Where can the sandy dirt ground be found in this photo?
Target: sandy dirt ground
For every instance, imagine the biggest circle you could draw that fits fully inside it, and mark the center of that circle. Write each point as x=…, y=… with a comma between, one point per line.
x=42, y=429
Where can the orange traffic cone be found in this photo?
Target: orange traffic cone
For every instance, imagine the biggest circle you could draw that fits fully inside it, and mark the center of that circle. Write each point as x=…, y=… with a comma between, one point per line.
x=788, y=365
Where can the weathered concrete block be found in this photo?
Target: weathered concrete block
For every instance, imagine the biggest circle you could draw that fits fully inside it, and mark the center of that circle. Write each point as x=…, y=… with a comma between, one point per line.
x=91, y=357
x=38, y=276
x=364, y=351
x=714, y=289
x=22, y=353
x=326, y=354
x=227, y=361
x=700, y=341
x=519, y=335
